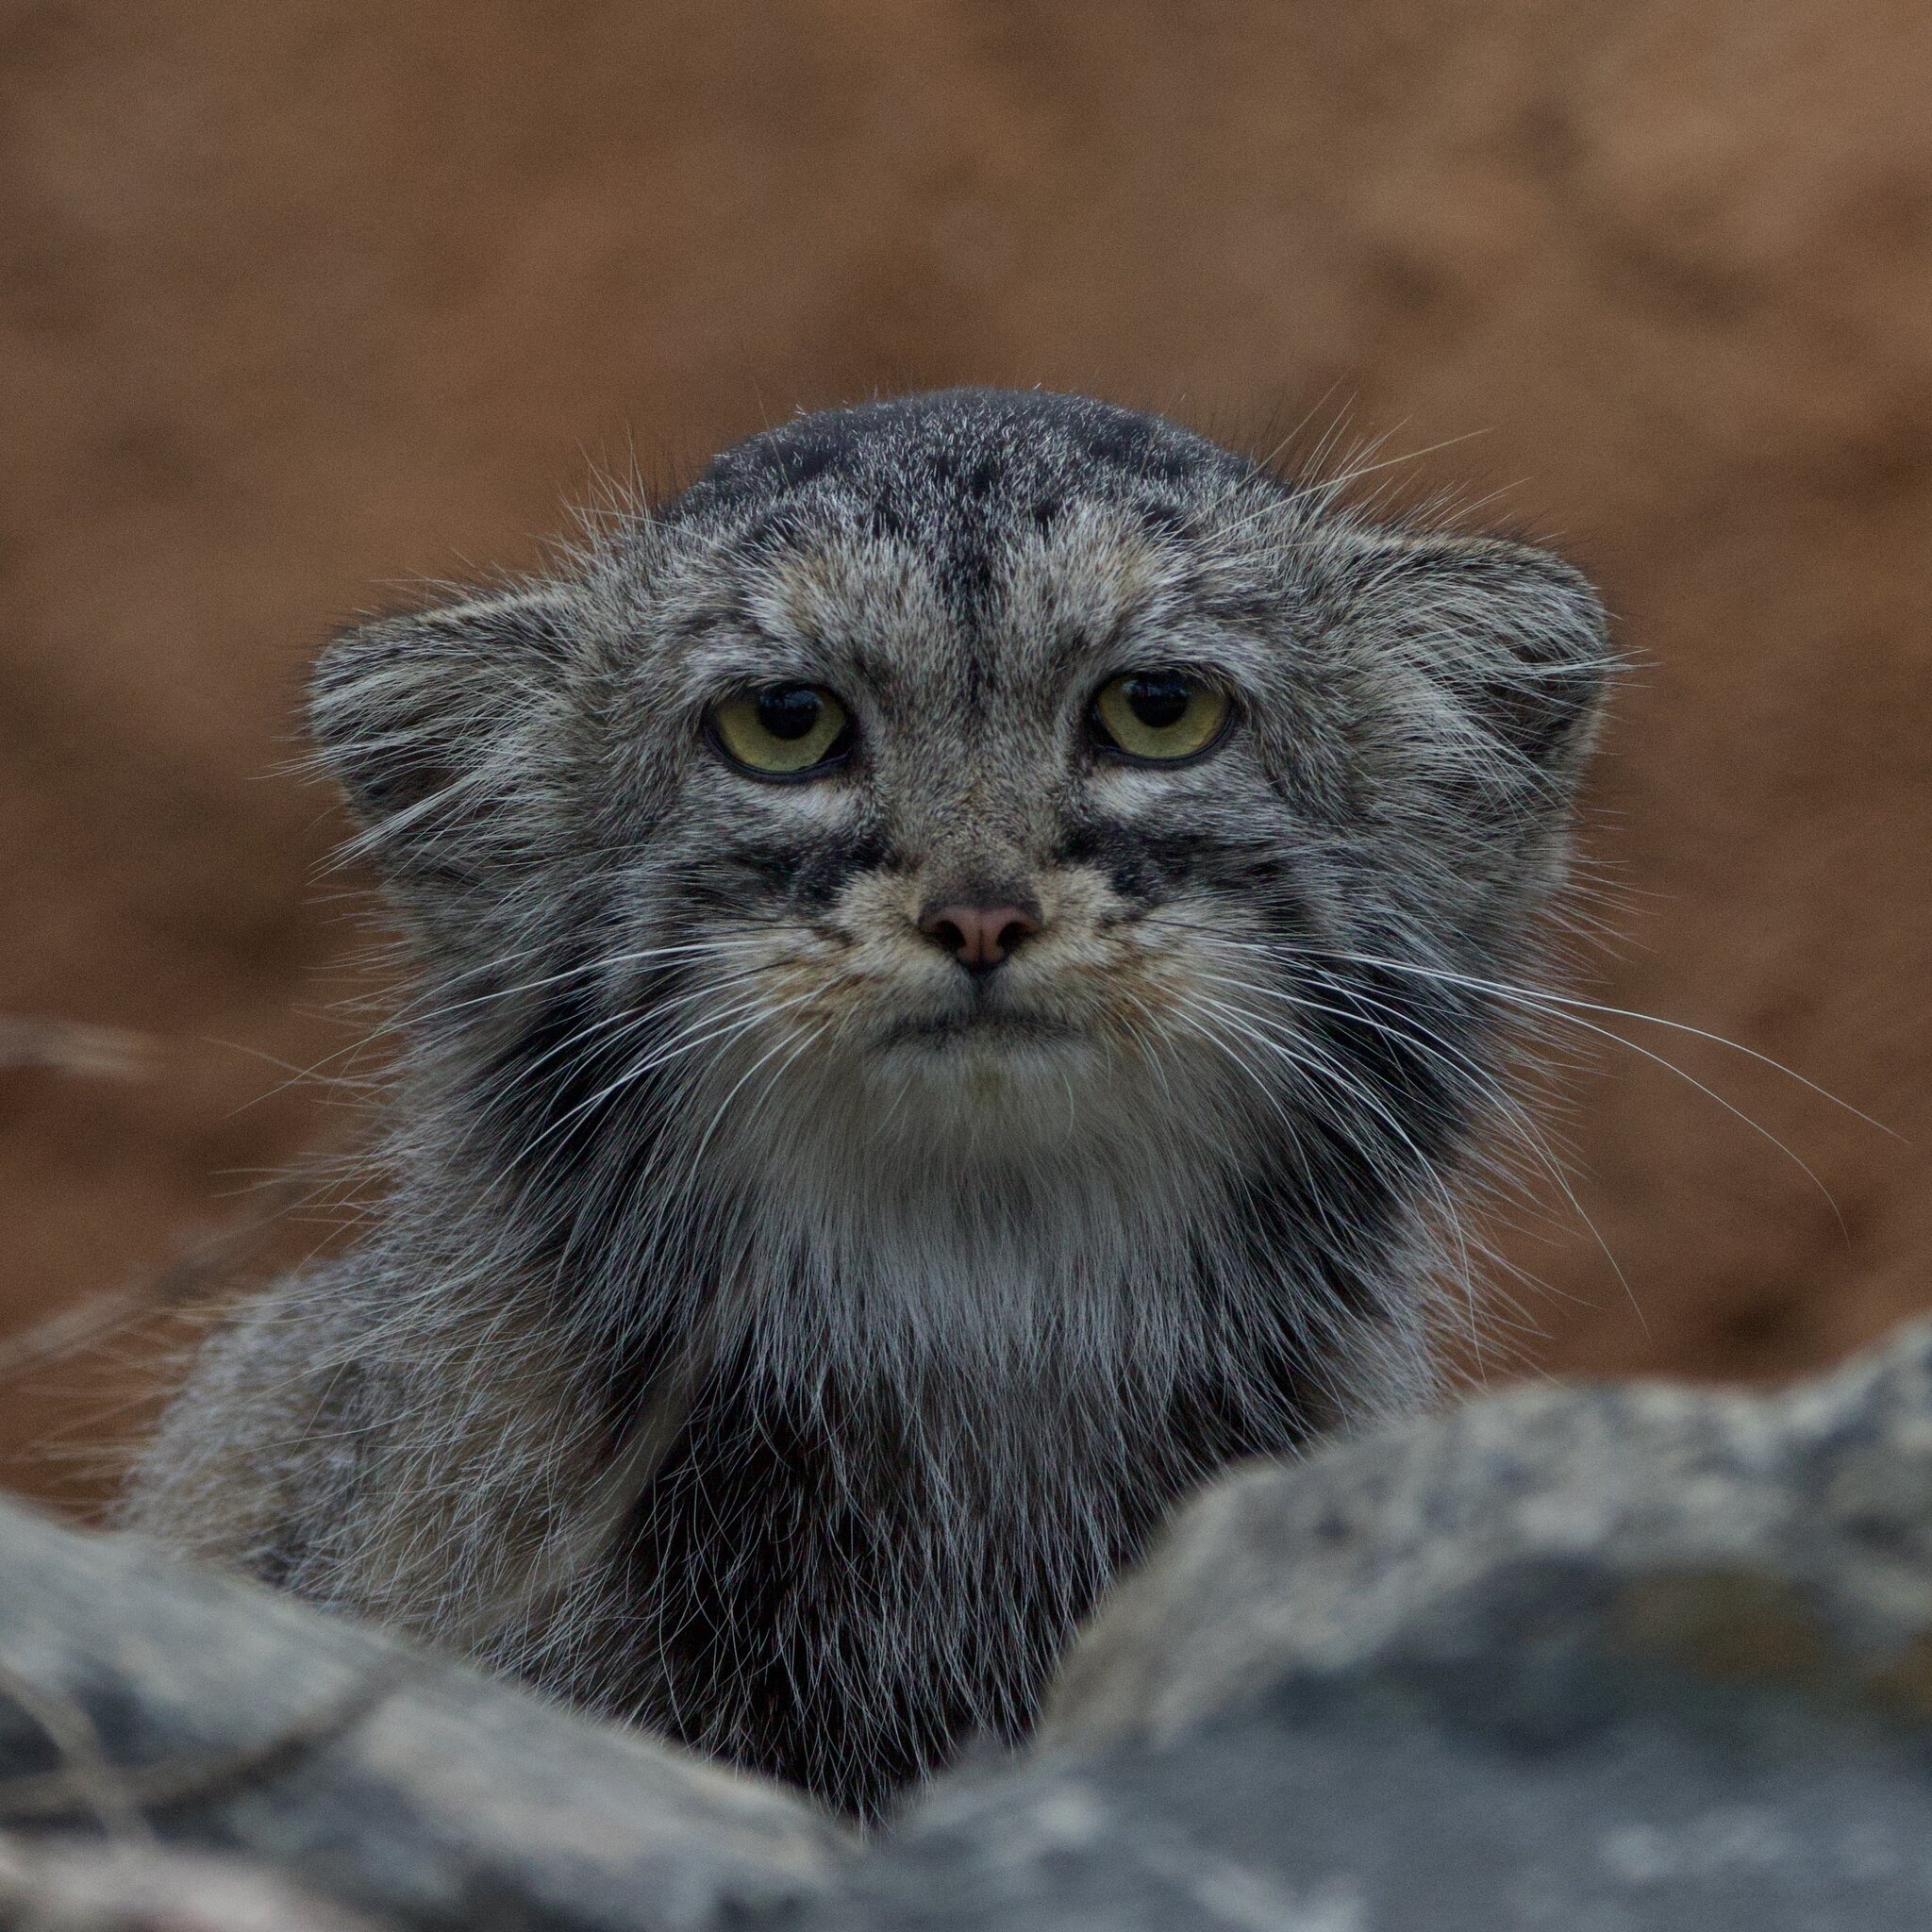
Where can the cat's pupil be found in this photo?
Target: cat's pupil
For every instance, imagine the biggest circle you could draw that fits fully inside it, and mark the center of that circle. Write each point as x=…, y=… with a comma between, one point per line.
x=789, y=712
x=1158, y=702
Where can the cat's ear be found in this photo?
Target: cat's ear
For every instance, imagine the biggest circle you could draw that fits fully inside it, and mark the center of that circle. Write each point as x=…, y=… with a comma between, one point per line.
x=1508, y=643
x=443, y=724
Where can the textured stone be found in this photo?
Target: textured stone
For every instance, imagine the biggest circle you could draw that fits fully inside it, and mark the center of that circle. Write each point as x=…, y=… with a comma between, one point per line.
x=240, y=1720
x=1568, y=1659
x=1783, y=1542
x=88, y=1886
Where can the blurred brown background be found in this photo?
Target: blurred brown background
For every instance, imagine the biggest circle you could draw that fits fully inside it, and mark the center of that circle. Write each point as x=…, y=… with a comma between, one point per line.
x=303, y=301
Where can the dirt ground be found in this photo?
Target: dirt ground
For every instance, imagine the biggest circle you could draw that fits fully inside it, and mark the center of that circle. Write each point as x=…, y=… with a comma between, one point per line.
x=302, y=303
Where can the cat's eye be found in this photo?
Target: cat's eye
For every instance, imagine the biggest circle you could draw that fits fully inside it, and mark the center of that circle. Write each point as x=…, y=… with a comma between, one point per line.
x=782, y=731
x=1159, y=717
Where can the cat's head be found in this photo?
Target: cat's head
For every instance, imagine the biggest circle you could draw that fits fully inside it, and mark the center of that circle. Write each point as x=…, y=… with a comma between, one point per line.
x=982, y=774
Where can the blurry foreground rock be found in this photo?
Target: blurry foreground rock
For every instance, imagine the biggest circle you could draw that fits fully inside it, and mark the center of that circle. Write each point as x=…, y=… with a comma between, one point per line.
x=1568, y=1659
x=1571, y=1658
x=91, y=1887
x=228, y=1718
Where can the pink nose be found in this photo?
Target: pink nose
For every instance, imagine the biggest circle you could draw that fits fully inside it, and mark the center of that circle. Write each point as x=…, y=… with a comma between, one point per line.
x=979, y=936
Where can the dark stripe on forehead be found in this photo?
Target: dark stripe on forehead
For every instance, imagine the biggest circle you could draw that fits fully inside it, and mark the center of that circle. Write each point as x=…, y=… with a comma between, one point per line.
x=969, y=575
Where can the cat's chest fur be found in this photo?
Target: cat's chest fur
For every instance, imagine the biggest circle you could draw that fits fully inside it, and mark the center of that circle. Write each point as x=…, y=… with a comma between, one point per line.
x=924, y=1438
x=842, y=1572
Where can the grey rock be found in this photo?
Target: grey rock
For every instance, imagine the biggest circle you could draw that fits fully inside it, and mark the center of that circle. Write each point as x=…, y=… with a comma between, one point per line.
x=1572, y=1658
x=95, y=1885
x=235, y=1720
x=1298, y=1820
x=1783, y=1542
x=1565, y=1661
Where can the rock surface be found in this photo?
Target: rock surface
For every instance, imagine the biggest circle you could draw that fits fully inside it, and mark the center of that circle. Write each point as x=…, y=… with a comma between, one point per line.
x=1569, y=1660
x=238, y=1720
x=87, y=1887
x=1782, y=1541
x=1573, y=1659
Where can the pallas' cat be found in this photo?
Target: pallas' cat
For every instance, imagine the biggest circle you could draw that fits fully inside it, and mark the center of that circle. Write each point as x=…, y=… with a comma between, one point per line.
x=950, y=989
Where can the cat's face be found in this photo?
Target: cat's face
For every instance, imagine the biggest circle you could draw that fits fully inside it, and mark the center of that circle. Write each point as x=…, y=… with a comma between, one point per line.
x=915, y=824
x=978, y=775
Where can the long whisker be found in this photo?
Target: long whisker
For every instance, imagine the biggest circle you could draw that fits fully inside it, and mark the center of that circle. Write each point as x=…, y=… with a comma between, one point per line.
x=624, y=1021
x=804, y=1040
x=1529, y=1002
x=613, y=1028
x=1324, y=1063
x=605, y=963
x=1410, y=1031
x=1209, y=1018
x=1569, y=1004
x=413, y=1013
x=1201, y=1025
x=1560, y=1004
x=703, y=1033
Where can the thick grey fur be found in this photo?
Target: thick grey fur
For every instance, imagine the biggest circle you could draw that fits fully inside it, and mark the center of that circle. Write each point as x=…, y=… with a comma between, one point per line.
x=771, y=1331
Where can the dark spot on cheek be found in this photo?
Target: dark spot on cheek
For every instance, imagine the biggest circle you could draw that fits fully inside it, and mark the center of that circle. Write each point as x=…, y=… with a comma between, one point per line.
x=1140, y=867
x=1262, y=879
x=810, y=875
x=1257, y=870
x=824, y=872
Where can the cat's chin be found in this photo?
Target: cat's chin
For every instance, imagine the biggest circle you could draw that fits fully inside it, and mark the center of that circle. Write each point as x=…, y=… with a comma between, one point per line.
x=973, y=1032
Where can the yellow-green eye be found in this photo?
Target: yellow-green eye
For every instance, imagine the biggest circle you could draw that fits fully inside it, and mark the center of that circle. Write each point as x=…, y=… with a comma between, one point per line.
x=783, y=731
x=1159, y=716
